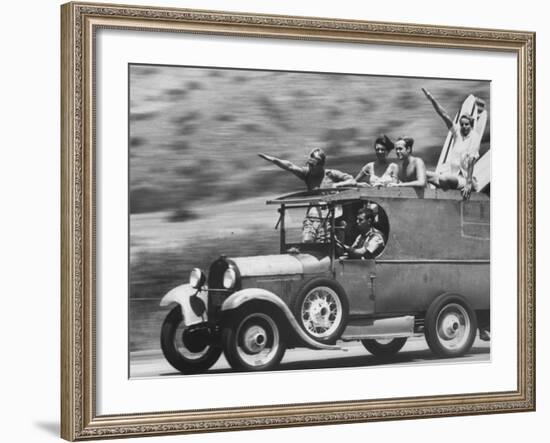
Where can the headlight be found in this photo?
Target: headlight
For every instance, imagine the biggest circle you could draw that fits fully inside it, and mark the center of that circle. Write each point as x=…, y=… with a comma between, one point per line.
x=196, y=278
x=229, y=278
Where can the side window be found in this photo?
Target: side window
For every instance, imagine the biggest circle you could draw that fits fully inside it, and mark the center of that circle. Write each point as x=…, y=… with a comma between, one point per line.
x=348, y=231
x=307, y=225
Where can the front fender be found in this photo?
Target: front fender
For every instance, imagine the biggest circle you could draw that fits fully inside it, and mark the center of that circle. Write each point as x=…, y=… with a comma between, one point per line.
x=182, y=295
x=239, y=298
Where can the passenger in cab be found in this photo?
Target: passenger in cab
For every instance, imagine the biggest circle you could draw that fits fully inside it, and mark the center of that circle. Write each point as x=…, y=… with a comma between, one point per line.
x=380, y=172
x=370, y=242
x=412, y=170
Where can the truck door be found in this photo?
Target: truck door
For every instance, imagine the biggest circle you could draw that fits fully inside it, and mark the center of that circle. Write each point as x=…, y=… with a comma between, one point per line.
x=358, y=278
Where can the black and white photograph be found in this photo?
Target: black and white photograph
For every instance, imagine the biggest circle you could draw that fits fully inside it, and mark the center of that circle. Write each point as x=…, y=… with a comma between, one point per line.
x=286, y=220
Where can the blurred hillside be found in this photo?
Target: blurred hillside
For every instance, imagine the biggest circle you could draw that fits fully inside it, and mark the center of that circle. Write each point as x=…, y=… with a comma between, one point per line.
x=195, y=133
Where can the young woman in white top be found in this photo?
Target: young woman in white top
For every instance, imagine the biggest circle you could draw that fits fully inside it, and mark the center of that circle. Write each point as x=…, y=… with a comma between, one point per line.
x=380, y=172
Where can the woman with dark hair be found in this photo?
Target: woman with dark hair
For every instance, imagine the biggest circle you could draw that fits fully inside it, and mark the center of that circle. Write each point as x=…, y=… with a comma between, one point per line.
x=380, y=172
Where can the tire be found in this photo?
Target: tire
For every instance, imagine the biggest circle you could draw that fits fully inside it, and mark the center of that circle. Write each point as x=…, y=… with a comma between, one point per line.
x=450, y=326
x=175, y=346
x=253, y=340
x=382, y=348
x=322, y=310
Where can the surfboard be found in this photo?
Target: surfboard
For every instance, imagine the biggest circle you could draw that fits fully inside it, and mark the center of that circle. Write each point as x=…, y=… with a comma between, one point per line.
x=482, y=167
x=482, y=171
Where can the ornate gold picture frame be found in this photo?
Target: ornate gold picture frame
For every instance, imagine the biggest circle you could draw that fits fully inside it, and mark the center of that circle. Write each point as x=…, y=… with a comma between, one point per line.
x=81, y=23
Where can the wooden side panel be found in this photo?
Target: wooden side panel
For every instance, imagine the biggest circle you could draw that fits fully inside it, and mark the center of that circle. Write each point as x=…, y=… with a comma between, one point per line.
x=428, y=229
x=411, y=287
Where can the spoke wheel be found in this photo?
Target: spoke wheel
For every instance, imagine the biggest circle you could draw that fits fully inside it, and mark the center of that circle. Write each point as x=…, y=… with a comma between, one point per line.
x=253, y=341
x=190, y=352
x=450, y=326
x=322, y=310
x=384, y=348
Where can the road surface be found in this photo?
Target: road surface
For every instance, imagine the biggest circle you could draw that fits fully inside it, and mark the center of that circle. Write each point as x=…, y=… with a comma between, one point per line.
x=153, y=364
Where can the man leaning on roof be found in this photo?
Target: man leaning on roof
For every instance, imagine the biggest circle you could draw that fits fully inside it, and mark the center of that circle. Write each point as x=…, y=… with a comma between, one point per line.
x=315, y=176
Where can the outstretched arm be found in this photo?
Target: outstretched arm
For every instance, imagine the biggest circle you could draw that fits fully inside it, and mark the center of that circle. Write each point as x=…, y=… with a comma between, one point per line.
x=440, y=111
x=286, y=165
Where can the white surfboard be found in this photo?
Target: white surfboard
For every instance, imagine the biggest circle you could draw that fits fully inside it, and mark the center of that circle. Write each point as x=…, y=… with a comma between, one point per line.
x=482, y=167
x=482, y=171
x=480, y=124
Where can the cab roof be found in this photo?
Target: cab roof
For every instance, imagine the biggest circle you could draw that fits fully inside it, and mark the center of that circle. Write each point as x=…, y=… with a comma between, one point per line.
x=346, y=194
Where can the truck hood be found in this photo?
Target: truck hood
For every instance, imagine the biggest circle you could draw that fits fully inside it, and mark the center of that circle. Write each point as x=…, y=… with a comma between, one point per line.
x=280, y=264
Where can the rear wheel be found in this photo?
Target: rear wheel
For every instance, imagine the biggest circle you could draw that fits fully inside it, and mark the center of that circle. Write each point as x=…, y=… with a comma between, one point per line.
x=253, y=341
x=450, y=326
x=384, y=348
x=189, y=350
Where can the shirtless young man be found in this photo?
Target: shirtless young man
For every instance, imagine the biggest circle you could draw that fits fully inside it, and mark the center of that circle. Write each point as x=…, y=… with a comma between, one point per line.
x=412, y=170
x=464, y=154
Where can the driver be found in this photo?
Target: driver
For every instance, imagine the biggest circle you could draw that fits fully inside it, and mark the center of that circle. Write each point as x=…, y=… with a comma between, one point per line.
x=370, y=241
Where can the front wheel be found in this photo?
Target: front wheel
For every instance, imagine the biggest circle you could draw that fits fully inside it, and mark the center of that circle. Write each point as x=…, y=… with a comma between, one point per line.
x=253, y=341
x=384, y=348
x=322, y=310
x=450, y=326
x=189, y=350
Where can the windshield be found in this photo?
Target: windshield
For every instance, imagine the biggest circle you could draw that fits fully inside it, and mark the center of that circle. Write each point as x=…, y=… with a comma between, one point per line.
x=306, y=225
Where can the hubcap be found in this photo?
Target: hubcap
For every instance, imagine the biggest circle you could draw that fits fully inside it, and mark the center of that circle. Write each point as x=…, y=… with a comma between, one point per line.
x=254, y=339
x=453, y=326
x=321, y=312
x=258, y=339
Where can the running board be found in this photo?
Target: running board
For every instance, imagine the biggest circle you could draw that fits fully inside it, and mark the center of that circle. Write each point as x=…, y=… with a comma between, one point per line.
x=380, y=328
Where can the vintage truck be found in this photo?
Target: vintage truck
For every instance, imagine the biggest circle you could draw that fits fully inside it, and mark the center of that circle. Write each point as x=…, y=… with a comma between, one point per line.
x=431, y=278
